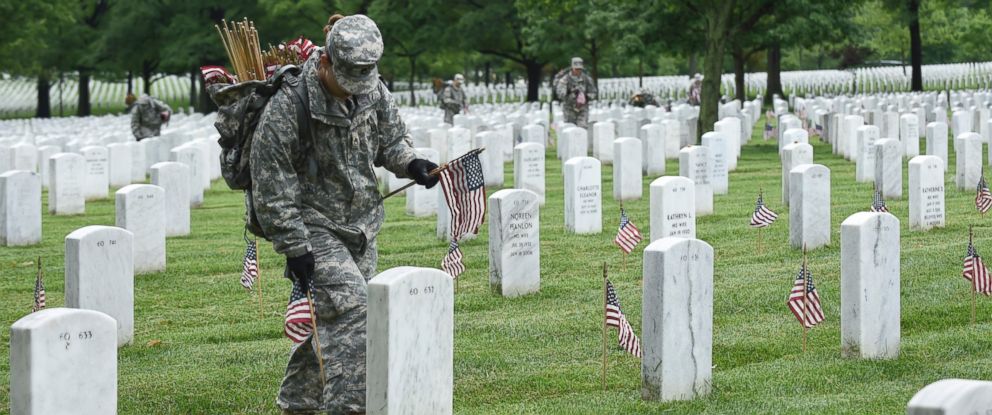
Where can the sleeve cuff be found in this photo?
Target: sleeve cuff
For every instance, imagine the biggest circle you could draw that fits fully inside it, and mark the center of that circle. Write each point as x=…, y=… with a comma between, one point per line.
x=297, y=251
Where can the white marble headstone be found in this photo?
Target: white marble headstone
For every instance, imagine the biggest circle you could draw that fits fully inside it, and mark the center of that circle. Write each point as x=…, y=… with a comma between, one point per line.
x=926, y=193
x=528, y=168
x=603, y=135
x=677, y=314
x=410, y=340
x=869, y=298
x=96, y=180
x=809, y=206
x=63, y=361
x=865, y=153
x=514, y=242
x=654, y=149
x=673, y=210
x=627, y=169
x=888, y=168
x=141, y=210
x=937, y=141
x=583, y=195
x=694, y=163
x=909, y=134
x=192, y=157
x=793, y=155
x=20, y=208
x=173, y=177
x=99, y=274
x=720, y=155
x=968, y=147
x=65, y=188
x=952, y=397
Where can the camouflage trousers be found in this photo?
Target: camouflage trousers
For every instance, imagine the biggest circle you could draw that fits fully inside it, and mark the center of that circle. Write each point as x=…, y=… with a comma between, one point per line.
x=577, y=116
x=340, y=299
x=449, y=116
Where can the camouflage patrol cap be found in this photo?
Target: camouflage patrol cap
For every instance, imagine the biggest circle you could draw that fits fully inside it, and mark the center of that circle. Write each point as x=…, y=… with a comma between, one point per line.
x=355, y=46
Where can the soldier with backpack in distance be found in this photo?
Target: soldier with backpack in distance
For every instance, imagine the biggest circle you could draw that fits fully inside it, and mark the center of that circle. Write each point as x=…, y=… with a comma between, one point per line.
x=575, y=90
x=314, y=194
x=453, y=99
x=147, y=116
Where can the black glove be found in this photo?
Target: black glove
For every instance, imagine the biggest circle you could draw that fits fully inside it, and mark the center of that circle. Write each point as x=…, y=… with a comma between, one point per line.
x=420, y=172
x=300, y=269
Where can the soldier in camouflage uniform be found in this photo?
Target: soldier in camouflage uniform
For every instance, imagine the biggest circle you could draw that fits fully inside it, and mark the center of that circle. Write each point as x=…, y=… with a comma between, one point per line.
x=696, y=90
x=317, y=199
x=147, y=116
x=643, y=98
x=575, y=90
x=453, y=99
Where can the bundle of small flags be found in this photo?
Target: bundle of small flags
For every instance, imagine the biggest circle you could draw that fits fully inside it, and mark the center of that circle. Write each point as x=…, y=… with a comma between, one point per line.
x=762, y=216
x=39, y=290
x=804, y=300
x=615, y=318
x=878, y=203
x=299, y=314
x=975, y=271
x=464, y=190
x=213, y=74
x=983, y=198
x=628, y=236
x=249, y=272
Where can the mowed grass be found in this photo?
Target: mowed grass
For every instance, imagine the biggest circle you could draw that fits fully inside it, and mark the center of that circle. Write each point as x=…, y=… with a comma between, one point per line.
x=202, y=347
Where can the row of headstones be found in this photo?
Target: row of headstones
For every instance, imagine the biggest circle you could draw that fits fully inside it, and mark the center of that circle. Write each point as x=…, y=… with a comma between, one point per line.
x=411, y=314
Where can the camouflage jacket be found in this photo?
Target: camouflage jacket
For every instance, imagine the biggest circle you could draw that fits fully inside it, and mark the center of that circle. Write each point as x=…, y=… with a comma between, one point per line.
x=325, y=180
x=643, y=100
x=570, y=85
x=146, y=117
x=453, y=99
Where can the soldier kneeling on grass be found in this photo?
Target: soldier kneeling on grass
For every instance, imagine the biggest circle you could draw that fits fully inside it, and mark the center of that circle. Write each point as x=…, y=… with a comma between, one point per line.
x=147, y=116
x=316, y=198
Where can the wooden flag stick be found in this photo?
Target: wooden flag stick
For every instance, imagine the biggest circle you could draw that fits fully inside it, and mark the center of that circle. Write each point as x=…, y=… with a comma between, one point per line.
x=439, y=169
x=316, y=339
x=974, y=287
x=258, y=267
x=605, y=328
x=805, y=299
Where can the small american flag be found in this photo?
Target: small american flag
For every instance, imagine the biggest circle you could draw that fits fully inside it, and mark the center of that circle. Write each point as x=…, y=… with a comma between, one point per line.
x=452, y=263
x=465, y=191
x=975, y=271
x=39, y=290
x=804, y=301
x=303, y=47
x=299, y=317
x=818, y=129
x=249, y=271
x=615, y=318
x=983, y=198
x=762, y=216
x=878, y=203
x=628, y=236
x=213, y=74
x=769, y=131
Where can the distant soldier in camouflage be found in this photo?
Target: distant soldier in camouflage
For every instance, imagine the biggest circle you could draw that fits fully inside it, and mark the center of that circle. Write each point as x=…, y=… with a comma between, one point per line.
x=696, y=90
x=575, y=90
x=316, y=198
x=453, y=99
x=147, y=116
x=644, y=98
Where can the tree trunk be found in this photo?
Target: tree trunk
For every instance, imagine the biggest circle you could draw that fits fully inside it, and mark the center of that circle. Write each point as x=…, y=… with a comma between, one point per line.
x=594, y=52
x=83, y=103
x=739, y=61
x=533, y=79
x=774, y=73
x=509, y=79
x=146, y=76
x=192, y=87
x=44, y=96
x=130, y=82
x=692, y=64
x=489, y=73
x=413, y=71
x=915, y=45
x=640, y=73
x=716, y=40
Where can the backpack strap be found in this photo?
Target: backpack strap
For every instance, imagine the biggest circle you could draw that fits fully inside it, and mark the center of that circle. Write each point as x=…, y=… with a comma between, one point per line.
x=301, y=99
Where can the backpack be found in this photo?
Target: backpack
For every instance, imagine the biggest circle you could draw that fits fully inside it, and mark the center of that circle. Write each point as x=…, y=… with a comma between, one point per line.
x=240, y=107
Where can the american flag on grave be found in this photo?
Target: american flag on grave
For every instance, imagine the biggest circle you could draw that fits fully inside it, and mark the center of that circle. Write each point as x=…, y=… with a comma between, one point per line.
x=299, y=316
x=249, y=272
x=804, y=300
x=628, y=236
x=983, y=198
x=976, y=272
x=615, y=318
x=769, y=131
x=39, y=290
x=762, y=216
x=452, y=262
x=465, y=191
x=878, y=203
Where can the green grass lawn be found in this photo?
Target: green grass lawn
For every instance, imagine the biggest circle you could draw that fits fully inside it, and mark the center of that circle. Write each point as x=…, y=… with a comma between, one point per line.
x=202, y=347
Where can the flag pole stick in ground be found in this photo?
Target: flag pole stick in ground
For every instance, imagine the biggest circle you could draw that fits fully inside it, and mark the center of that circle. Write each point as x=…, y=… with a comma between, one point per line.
x=316, y=339
x=623, y=254
x=805, y=300
x=258, y=264
x=605, y=329
x=434, y=172
x=974, y=287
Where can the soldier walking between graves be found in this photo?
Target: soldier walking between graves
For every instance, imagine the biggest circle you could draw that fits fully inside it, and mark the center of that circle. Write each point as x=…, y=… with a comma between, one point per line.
x=453, y=99
x=644, y=98
x=316, y=198
x=696, y=90
x=147, y=116
x=575, y=91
